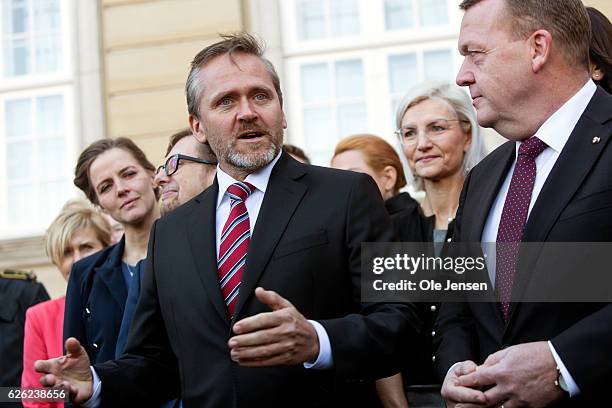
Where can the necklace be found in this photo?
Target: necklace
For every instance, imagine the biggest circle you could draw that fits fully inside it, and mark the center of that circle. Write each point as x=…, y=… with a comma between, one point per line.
x=129, y=268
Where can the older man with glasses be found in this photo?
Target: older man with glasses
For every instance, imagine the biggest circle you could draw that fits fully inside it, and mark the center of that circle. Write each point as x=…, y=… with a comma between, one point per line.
x=189, y=168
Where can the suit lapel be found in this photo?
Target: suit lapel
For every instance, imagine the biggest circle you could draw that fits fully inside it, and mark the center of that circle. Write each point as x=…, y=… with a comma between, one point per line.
x=283, y=194
x=568, y=174
x=201, y=230
x=482, y=204
x=485, y=191
x=111, y=275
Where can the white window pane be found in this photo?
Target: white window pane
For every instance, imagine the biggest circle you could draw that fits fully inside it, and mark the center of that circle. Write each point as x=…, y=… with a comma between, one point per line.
x=310, y=19
x=402, y=72
x=315, y=82
x=48, y=53
x=344, y=17
x=349, y=79
x=51, y=158
x=399, y=14
x=46, y=16
x=434, y=12
x=16, y=16
x=21, y=205
x=17, y=58
x=318, y=128
x=19, y=161
x=438, y=65
x=352, y=119
x=50, y=115
x=53, y=194
x=17, y=117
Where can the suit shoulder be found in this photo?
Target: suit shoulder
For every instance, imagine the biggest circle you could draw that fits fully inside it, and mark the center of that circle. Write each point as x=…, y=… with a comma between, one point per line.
x=336, y=177
x=493, y=158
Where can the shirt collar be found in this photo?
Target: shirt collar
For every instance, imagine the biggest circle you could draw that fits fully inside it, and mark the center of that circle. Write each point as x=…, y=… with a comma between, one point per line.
x=258, y=179
x=559, y=126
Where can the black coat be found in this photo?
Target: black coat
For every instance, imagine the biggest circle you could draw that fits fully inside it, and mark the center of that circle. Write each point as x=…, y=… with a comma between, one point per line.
x=411, y=225
x=16, y=296
x=306, y=246
x=95, y=302
x=574, y=205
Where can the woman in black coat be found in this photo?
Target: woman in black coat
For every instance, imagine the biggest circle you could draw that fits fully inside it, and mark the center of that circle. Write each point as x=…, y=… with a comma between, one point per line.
x=115, y=175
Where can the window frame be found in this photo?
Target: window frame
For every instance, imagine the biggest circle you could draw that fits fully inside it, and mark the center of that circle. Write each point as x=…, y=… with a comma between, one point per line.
x=70, y=145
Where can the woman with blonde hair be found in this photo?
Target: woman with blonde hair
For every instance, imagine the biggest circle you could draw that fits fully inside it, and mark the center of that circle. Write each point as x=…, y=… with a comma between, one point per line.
x=77, y=232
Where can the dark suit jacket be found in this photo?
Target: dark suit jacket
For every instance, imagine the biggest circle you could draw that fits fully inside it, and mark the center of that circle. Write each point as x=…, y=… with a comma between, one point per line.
x=574, y=205
x=95, y=301
x=306, y=245
x=16, y=296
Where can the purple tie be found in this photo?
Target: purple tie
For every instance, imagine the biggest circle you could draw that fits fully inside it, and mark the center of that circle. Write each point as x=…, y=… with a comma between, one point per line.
x=514, y=217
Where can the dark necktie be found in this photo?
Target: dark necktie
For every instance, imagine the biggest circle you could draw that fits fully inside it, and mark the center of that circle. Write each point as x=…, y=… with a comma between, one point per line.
x=513, y=219
x=235, y=238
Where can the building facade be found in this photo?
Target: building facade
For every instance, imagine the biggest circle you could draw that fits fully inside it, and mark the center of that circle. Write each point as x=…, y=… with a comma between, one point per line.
x=73, y=71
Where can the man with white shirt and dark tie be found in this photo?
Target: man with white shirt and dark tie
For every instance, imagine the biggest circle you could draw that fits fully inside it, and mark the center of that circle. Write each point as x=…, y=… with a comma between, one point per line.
x=251, y=295
x=526, y=66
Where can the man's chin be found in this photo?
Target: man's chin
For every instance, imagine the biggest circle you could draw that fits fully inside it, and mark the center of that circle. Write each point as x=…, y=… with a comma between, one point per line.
x=168, y=207
x=252, y=161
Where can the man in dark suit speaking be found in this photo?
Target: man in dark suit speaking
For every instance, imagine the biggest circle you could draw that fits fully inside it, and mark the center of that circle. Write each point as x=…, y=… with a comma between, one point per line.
x=527, y=69
x=205, y=329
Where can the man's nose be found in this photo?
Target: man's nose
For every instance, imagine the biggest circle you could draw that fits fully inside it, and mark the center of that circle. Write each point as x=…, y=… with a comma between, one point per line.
x=246, y=112
x=161, y=178
x=465, y=76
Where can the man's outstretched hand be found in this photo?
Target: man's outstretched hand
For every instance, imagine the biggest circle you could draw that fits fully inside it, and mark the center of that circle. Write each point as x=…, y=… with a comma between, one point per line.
x=70, y=372
x=280, y=337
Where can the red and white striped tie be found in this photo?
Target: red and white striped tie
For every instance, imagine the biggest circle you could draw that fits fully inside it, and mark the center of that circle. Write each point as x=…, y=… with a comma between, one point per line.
x=235, y=238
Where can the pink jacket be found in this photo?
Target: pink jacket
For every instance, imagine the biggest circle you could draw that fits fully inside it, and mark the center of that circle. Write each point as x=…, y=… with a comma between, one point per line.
x=42, y=340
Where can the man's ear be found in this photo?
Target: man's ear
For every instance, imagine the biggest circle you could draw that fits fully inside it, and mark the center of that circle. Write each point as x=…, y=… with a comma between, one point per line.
x=195, y=124
x=540, y=42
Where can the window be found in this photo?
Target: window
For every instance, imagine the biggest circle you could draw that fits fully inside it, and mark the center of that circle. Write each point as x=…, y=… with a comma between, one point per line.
x=32, y=37
x=333, y=102
x=37, y=146
x=36, y=158
x=406, y=14
x=317, y=19
x=348, y=63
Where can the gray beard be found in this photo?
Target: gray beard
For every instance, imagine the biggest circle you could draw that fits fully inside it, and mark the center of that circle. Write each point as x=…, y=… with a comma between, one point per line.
x=252, y=162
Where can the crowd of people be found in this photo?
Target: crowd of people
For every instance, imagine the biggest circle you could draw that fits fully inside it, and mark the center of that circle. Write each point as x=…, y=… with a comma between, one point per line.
x=235, y=277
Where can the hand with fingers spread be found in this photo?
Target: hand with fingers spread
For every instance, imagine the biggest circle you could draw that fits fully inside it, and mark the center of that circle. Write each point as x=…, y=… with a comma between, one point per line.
x=458, y=395
x=518, y=376
x=70, y=372
x=280, y=337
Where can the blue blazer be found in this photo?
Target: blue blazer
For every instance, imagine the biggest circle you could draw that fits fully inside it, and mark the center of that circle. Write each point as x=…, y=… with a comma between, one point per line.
x=95, y=302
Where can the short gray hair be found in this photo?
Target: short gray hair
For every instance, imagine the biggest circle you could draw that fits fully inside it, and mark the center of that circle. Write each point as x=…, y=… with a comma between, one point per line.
x=566, y=20
x=238, y=42
x=461, y=104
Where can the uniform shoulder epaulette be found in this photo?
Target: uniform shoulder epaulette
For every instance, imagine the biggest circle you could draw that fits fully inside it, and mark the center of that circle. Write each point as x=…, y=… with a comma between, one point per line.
x=29, y=276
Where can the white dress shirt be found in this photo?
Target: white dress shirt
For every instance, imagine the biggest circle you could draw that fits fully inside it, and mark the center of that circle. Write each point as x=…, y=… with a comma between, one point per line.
x=554, y=132
x=259, y=180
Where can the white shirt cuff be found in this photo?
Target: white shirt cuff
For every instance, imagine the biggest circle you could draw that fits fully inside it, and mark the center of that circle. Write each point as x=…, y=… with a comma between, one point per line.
x=453, y=366
x=571, y=384
x=94, y=401
x=324, y=360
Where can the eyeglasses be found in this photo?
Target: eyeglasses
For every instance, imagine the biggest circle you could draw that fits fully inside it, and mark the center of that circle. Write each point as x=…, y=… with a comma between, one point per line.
x=434, y=131
x=173, y=162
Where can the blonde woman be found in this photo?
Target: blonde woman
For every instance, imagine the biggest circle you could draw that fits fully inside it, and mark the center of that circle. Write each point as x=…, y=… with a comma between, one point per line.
x=77, y=232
